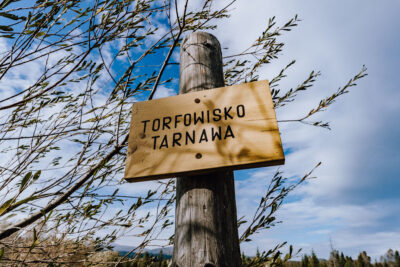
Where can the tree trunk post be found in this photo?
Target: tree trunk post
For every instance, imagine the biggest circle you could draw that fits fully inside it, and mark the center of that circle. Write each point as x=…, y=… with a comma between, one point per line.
x=206, y=231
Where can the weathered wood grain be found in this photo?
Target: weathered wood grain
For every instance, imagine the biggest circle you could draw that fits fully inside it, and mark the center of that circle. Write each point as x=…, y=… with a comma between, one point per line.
x=205, y=222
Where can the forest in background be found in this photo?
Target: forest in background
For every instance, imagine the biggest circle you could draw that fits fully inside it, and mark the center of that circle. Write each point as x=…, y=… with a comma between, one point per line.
x=87, y=254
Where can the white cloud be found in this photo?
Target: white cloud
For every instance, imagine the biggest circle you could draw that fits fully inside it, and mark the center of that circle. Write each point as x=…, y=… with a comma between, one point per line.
x=354, y=201
x=163, y=91
x=356, y=192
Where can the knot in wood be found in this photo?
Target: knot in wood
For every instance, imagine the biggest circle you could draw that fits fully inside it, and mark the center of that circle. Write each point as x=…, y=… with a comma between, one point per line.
x=208, y=44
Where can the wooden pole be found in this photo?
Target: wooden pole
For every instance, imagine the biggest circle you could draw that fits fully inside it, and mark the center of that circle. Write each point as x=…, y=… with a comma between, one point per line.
x=205, y=222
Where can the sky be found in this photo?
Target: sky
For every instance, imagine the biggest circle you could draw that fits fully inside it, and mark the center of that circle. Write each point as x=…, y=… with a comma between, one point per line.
x=354, y=203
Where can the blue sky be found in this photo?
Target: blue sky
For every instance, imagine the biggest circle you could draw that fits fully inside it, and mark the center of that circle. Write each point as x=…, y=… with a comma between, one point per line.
x=354, y=204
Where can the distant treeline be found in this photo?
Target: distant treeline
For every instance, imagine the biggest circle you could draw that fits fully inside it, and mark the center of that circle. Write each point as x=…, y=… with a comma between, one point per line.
x=338, y=259
x=53, y=252
x=148, y=260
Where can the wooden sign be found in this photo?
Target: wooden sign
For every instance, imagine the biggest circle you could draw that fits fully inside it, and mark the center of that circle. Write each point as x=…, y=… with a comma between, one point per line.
x=230, y=127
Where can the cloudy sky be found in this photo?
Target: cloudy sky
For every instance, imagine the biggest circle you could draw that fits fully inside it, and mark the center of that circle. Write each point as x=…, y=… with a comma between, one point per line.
x=354, y=204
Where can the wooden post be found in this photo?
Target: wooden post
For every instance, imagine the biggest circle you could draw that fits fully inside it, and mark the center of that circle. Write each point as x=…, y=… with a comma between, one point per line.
x=205, y=222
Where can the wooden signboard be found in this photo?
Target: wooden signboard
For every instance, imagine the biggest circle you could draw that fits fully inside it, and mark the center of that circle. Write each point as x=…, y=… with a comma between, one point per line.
x=230, y=127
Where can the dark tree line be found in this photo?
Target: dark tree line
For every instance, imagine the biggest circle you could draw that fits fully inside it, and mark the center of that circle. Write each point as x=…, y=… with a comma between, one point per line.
x=338, y=259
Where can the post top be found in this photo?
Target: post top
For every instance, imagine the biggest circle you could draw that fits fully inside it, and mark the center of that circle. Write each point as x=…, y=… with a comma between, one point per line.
x=199, y=37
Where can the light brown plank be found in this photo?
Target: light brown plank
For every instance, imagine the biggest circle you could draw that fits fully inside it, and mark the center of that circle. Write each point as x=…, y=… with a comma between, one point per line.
x=256, y=141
